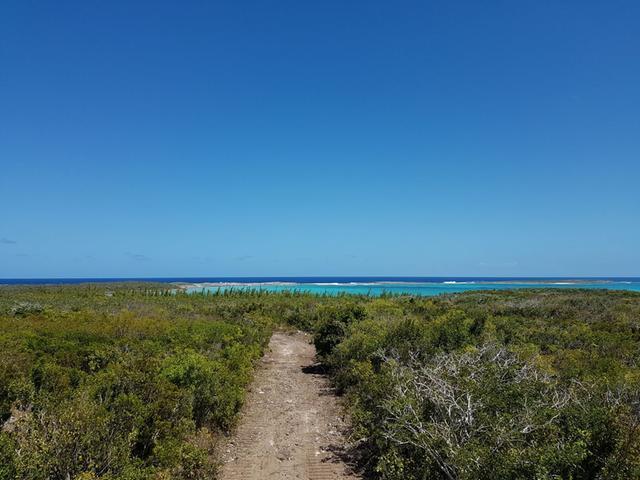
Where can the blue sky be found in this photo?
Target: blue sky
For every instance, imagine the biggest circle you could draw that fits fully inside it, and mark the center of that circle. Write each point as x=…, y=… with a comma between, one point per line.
x=319, y=138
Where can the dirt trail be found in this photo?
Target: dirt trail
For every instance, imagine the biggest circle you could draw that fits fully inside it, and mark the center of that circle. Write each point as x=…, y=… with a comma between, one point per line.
x=291, y=426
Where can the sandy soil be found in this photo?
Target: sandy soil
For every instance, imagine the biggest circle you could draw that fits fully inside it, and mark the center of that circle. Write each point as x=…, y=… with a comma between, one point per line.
x=291, y=426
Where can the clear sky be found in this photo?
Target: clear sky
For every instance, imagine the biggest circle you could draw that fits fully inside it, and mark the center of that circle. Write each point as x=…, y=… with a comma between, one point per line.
x=319, y=138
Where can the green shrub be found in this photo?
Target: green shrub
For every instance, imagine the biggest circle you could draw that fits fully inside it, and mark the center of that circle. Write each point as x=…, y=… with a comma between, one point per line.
x=332, y=325
x=7, y=457
x=134, y=381
x=501, y=385
x=114, y=382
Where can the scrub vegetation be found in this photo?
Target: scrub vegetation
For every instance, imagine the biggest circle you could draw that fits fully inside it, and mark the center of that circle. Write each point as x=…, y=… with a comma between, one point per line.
x=134, y=381
x=501, y=385
x=119, y=382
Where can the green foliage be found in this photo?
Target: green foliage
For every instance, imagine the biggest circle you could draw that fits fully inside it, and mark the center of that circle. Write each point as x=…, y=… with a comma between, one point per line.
x=501, y=385
x=119, y=381
x=134, y=381
x=332, y=323
x=7, y=457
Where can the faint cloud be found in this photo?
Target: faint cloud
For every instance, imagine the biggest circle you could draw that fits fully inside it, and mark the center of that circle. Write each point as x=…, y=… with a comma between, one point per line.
x=243, y=258
x=7, y=241
x=137, y=257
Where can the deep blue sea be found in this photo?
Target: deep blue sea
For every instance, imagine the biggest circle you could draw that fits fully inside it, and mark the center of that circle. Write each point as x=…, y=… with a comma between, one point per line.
x=425, y=286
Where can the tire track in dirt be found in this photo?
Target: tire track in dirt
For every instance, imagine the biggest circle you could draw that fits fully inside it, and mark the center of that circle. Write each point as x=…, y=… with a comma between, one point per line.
x=291, y=425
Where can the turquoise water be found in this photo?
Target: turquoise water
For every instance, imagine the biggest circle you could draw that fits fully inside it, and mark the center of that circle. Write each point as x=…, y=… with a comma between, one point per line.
x=414, y=288
x=424, y=286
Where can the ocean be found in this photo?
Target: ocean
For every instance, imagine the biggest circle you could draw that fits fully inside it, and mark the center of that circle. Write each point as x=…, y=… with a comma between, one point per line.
x=375, y=286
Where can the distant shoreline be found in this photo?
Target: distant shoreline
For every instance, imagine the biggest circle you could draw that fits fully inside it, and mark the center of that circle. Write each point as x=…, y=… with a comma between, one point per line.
x=426, y=287
x=392, y=283
x=238, y=281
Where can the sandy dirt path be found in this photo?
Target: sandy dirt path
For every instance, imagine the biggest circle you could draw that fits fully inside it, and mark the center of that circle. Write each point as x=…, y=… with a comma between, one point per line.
x=291, y=426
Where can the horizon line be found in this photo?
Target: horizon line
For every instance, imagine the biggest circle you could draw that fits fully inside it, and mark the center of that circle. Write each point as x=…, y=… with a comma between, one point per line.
x=169, y=277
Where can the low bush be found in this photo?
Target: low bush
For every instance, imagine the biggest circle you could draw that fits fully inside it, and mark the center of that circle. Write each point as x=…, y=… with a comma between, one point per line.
x=136, y=381
x=500, y=385
x=135, y=384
